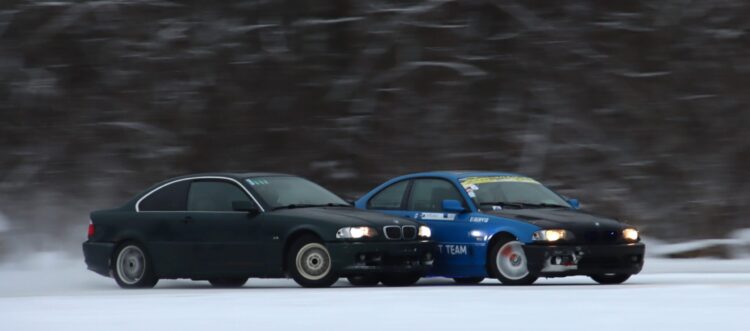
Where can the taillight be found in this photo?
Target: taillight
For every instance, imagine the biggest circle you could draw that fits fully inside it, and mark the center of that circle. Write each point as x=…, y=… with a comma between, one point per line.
x=91, y=230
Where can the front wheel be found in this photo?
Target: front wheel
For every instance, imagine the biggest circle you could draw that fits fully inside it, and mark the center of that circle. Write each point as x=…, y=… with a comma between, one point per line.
x=132, y=267
x=400, y=279
x=310, y=263
x=507, y=262
x=610, y=279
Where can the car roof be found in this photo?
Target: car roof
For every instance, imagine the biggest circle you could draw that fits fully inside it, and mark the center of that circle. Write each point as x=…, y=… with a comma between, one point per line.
x=456, y=174
x=235, y=175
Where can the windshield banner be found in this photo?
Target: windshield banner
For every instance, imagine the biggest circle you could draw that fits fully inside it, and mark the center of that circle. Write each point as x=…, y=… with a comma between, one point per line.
x=473, y=181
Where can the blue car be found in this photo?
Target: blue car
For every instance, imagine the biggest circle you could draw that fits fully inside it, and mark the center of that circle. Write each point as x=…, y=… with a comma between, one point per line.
x=509, y=227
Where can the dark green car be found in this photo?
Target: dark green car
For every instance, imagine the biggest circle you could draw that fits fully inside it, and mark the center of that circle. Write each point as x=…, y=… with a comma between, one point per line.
x=228, y=227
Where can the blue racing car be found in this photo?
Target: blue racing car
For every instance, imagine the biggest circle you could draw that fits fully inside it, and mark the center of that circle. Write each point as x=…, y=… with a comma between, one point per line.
x=508, y=227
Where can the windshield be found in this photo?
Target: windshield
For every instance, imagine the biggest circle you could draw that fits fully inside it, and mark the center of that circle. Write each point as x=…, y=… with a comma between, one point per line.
x=287, y=191
x=510, y=191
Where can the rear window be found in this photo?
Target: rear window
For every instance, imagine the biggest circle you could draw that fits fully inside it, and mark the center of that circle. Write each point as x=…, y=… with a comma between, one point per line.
x=172, y=197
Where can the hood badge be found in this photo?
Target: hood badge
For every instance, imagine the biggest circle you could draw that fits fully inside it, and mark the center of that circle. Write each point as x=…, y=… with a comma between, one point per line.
x=596, y=223
x=396, y=221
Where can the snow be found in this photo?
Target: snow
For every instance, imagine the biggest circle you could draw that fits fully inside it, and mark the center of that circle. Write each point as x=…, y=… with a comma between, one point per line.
x=54, y=292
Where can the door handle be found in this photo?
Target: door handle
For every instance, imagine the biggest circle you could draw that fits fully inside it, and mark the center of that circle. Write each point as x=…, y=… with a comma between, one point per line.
x=187, y=220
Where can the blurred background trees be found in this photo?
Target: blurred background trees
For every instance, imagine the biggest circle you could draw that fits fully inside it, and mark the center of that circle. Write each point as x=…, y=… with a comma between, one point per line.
x=638, y=108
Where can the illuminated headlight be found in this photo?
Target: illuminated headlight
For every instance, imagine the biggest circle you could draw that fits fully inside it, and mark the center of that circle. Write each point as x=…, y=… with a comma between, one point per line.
x=424, y=232
x=551, y=235
x=630, y=234
x=356, y=232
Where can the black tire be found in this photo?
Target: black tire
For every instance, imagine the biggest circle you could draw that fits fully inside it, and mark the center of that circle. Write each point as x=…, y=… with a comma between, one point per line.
x=400, y=279
x=514, y=274
x=364, y=280
x=228, y=282
x=132, y=266
x=468, y=280
x=610, y=279
x=310, y=263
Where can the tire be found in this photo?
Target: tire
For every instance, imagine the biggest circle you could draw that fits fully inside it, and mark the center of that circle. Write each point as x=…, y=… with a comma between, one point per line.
x=364, y=280
x=507, y=262
x=132, y=266
x=468, y=280
x=228, y=282
x=310, y=263
x=610, y=279
x=400, y=279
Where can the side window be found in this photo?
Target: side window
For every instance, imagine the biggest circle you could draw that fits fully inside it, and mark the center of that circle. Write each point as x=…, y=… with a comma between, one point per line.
x=390, y=197
x=214, y=195
x=168, y=198
x=428, y=194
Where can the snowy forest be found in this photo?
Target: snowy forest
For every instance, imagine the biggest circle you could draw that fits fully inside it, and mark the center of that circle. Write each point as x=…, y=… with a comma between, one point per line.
x=637, y=108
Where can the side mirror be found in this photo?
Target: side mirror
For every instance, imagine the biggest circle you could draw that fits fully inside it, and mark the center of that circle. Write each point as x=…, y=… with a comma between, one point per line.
x=453, y=206
x=247, y=206
x=574, y=203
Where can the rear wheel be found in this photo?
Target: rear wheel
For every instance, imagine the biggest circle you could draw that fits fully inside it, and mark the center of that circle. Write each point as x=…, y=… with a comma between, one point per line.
x=507, y=262
x=132, y=267
x=228, y=282
x=364, y=280
x=610, y=279
x=400, y=279
x=310, y=263
x=468, y=280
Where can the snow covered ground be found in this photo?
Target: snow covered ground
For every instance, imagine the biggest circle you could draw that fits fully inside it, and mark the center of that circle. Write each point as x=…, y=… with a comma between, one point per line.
x=54, y=292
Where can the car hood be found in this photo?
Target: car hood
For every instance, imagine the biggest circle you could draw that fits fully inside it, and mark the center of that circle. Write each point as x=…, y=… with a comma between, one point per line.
x=558, y=218
x=346, y=216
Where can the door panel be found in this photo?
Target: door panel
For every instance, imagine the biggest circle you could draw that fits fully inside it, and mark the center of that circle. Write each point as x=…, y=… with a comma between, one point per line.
x=222, y=241
x=449, y=230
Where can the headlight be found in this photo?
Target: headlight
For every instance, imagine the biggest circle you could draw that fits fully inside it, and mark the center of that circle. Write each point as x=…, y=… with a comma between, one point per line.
x=630, y=234
x=356, y=232
x=551, y=235
x=424, y=232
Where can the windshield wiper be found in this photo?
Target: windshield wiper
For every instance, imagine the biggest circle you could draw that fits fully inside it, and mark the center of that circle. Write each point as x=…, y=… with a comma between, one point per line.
x=310, y=205
x=517, y=205
x=296, y=205
x=540, y=205
x=331, y=204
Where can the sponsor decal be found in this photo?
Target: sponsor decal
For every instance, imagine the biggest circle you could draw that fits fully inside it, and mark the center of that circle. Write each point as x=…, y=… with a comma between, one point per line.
x=453, y=249
x=473, y=182
x=256, y=182
x=479, y=219
x=438, y=216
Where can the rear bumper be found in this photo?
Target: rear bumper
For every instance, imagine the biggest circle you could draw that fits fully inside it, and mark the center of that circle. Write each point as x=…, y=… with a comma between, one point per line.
x=97, y=256
x=556, y=261
x=357, y=258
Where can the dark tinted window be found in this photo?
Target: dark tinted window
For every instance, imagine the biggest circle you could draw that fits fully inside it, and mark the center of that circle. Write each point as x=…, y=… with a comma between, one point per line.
x=214, y=195
x=390, y=197
x=428, y=194
x=168, y=198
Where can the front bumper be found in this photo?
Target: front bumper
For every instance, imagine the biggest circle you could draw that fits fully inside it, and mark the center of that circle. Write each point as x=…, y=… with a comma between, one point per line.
x=568, y=260
x=97, y=256
x=357, y=258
